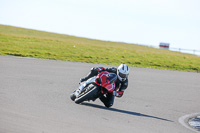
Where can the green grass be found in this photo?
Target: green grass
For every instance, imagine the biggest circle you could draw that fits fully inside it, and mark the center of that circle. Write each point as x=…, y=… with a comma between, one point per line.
x=38, y=44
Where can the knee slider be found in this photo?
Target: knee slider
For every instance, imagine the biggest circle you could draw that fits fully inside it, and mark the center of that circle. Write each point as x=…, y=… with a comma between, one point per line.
x=108, y=105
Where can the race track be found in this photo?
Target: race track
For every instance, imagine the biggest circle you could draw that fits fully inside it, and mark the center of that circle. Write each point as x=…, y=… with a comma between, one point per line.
x=34, y=98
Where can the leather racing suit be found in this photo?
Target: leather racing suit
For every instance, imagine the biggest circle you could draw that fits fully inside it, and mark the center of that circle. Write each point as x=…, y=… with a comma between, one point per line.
x=120, y=86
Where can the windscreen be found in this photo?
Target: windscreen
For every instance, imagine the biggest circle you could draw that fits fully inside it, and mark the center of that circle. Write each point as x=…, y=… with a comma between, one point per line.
x=111, y=78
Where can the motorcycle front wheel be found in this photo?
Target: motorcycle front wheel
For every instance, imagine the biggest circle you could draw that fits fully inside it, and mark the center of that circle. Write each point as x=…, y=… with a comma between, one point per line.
x=87, y=95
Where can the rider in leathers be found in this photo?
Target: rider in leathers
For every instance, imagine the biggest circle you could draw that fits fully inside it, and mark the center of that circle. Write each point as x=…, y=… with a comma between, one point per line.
x=121, y=83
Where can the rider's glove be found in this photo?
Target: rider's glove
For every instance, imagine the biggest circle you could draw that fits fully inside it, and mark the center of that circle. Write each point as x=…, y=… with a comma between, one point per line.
x=114, y=93
x=118, y=93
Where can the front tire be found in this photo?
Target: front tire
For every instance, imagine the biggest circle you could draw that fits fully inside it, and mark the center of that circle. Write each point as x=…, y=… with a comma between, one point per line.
x=86, y=95
x=73, y=97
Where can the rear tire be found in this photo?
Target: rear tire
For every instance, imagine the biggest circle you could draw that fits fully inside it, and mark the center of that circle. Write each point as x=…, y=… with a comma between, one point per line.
x=87, y=95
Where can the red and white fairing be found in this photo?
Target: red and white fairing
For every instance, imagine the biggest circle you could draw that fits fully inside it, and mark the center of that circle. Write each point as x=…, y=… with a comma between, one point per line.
x=106, y=80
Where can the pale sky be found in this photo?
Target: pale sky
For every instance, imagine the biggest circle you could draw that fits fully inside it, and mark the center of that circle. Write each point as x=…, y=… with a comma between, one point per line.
x=133, y=21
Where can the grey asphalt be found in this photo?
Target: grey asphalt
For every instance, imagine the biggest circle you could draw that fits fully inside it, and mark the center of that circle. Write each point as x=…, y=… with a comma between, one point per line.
x=34, y=98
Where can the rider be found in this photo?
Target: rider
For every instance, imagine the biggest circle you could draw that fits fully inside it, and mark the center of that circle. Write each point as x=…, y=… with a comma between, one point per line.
x=121, y=83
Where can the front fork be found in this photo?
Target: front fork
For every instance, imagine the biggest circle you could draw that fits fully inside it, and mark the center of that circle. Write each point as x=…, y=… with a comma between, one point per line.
x=83, y=85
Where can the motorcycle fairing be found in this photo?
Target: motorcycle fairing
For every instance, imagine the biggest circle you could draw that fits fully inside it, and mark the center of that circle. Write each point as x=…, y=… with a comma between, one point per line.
x=106, y=80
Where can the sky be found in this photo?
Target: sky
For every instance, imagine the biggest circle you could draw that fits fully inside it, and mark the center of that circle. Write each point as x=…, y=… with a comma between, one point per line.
x=146, y=22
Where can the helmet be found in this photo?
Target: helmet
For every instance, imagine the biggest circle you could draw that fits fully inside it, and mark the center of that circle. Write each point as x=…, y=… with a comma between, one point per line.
x=122, y=72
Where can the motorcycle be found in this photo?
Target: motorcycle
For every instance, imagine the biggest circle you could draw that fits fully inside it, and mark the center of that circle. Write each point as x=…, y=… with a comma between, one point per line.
x=95, y=87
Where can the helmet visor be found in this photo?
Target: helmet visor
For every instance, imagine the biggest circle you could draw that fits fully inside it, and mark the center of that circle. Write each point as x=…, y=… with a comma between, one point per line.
x=123, y=75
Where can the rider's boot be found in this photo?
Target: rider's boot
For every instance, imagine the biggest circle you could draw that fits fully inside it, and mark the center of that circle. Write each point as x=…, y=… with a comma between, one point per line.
x=86, y=78
x=83, y=79
x=91, y=74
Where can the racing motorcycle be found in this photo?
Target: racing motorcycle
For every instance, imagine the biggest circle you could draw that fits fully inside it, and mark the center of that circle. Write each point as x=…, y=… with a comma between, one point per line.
x=94, y=87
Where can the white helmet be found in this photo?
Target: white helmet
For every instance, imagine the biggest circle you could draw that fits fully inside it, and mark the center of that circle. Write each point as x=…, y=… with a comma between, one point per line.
x=122, y=72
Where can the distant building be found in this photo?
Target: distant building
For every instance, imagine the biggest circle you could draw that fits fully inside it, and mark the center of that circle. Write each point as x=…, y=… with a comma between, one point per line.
x=164, y=45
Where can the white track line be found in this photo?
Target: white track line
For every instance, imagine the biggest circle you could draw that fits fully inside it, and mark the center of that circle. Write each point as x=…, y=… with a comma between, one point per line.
x=183, y=121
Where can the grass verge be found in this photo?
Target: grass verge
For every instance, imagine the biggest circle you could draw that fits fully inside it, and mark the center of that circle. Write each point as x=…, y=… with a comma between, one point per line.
x=38, y=44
